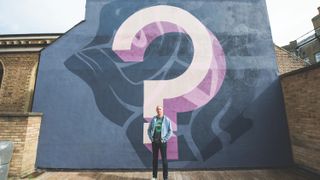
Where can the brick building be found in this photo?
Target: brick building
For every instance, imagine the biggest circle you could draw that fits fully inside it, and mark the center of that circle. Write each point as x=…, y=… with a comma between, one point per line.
x=19, y=58
x=307, y=47
x=301, y=93
x=287, y=61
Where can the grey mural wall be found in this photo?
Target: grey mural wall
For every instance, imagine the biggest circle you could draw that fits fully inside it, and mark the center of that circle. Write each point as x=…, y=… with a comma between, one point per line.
x=211, y=64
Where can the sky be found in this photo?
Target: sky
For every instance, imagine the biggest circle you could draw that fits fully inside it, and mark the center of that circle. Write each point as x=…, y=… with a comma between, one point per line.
x=289, y=19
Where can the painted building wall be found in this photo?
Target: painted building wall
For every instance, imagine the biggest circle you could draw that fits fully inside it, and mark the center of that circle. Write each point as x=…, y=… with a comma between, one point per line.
x=211, y=64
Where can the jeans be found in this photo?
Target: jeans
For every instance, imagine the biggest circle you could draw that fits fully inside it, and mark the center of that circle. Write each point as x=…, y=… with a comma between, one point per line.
x=156, y=146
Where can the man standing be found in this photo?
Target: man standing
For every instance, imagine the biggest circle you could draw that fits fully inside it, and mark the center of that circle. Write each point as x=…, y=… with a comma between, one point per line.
x=159, y=132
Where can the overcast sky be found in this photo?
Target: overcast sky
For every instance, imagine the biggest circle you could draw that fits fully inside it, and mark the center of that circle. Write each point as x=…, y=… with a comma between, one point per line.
x=289, y=19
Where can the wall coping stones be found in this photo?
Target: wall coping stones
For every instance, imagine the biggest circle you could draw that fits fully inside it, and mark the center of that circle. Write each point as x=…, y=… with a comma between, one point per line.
x=308, y=68
x=20, y=114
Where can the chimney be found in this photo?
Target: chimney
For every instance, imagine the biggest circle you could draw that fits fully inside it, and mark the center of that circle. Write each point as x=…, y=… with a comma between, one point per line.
x=316, y=21
x=293, y=44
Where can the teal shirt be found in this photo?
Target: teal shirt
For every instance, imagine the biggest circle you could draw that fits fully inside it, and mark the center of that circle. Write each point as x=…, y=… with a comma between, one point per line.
x=158, y=124
x=157, y=132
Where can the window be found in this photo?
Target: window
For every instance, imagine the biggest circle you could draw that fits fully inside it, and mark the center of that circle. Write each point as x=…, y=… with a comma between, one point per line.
x=317, y=57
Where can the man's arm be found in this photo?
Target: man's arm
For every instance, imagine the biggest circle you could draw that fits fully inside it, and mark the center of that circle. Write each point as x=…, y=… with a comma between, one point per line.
x=169, y=133
x=149, y=130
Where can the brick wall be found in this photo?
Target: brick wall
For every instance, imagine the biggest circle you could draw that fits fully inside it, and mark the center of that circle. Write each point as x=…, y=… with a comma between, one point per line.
x=19, y=57
x=287, y=61
x=301, y=89
x=18, y=81
x=23, y=130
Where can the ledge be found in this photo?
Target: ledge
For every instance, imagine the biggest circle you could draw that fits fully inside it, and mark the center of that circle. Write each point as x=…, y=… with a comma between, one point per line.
x=305, y=69
x=26, y=42
x=20, y=114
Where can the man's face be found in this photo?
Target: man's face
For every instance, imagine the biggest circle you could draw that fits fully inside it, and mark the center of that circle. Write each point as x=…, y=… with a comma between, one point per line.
x=159, y=110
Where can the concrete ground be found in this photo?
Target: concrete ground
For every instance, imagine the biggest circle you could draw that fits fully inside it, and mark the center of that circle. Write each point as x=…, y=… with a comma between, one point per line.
x=258, y=174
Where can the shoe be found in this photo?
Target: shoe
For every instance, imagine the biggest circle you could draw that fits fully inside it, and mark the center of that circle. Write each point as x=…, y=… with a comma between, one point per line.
x=154, y=179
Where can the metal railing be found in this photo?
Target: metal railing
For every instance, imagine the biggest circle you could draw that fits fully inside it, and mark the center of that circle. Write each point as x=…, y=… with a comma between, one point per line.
x=308, y=37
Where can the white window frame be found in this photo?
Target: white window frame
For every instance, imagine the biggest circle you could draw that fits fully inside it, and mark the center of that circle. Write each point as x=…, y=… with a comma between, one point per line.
x=317, y=57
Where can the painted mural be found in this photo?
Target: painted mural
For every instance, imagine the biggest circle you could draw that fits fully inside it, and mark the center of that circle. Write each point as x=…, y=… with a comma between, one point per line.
x=211, y=65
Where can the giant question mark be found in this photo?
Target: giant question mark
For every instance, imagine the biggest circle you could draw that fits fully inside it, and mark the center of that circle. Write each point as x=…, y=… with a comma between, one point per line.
x=192, y=89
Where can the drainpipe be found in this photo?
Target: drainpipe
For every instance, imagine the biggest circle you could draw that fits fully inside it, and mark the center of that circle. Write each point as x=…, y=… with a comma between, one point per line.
x=6, y=150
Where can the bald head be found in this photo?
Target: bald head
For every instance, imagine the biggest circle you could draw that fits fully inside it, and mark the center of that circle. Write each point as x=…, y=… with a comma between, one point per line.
x=159, y=110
